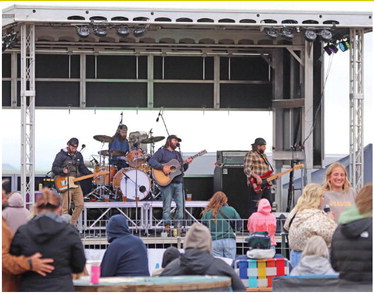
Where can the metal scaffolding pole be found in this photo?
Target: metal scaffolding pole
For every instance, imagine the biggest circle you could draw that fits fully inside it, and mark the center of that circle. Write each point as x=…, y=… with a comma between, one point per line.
x=356, y=108
x=28, y=112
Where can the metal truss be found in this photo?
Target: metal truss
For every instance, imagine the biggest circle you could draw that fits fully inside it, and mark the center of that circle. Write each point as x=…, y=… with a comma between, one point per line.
x=356, y=108
x=28, y=112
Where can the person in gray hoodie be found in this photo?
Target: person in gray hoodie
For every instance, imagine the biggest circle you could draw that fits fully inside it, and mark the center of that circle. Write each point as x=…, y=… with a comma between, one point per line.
x=198, y=260
x=15, y=213
x=314, y=259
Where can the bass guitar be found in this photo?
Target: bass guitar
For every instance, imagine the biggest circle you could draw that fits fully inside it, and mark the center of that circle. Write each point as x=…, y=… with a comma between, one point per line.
x=268, y=177
x=175, y=167
x=62, y=183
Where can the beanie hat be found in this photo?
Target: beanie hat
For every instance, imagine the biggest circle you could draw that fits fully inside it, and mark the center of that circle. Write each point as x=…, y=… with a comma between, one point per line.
x=169, y=255
x=198, y=237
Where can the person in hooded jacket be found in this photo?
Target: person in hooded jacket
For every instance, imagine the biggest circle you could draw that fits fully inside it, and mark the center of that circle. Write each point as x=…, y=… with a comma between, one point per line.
x=48, y=234
x=198, y=260
x=352, y=242
x=263, y=220
x=314, y=259
x=170, y=254
x=15, y=213
x=126, y=256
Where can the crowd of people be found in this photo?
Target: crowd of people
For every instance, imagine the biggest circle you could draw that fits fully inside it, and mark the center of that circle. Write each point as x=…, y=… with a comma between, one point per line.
x=329, y=231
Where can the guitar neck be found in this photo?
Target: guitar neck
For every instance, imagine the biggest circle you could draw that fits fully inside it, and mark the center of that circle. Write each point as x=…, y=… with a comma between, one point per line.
x=197, y=155
x=278, y=175
x=83, y=177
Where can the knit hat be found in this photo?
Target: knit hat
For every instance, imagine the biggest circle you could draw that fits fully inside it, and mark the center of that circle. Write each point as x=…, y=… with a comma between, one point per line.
x=169, y=255
x=198, y=237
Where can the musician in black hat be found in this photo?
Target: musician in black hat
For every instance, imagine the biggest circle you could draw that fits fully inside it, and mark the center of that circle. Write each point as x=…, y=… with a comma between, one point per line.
x=69, y=162
x=256, y=164
x=119, y=143
x=174, y=189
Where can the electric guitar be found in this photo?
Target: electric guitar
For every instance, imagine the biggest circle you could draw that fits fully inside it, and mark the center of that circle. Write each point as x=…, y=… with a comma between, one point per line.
x=62, y=183
x=175, y=168
x=268, y=177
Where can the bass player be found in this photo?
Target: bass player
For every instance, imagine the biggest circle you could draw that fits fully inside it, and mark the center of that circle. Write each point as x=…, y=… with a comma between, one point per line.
x=173, y=190
x=69, y=162
x=256, y=164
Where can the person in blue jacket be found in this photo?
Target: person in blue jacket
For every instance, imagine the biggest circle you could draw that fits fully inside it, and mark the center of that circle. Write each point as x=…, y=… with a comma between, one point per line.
x=126, y=255
x=119, y=143
x=173, y=190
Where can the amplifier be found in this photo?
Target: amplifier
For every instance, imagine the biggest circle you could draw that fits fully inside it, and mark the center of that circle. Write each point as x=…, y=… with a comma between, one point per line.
x=230, y=157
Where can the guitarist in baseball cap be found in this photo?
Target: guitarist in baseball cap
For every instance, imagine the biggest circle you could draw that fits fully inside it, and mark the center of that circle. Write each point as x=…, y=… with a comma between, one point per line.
x=174, y=189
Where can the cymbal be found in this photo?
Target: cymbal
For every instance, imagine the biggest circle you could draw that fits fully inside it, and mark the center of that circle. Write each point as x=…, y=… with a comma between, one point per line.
x=152, y=139
x=112, y=153
x=103, y=138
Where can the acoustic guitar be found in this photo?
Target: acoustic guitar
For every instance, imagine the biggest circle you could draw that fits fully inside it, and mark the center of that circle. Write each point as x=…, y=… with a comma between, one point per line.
x=268, y=177
x=175, y=168
x=62, y=183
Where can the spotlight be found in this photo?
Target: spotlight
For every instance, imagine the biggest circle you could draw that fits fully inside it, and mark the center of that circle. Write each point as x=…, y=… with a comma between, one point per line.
x=9, y=41
x=287, y=33
x=271, y=33
x=344, y=45
x=139, y=31
x=123, y=31
x=83, y=31
x=326, y=35
x=100, y=31
x=310, y=35
x=330, y=48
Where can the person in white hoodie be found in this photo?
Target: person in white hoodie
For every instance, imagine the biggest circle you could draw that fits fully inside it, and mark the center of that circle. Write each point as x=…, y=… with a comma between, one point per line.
x=15, y=213
x=314, y=259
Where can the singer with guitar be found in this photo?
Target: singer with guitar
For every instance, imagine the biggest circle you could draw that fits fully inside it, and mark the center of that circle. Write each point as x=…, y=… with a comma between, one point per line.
x=69, y=162
x=256, y=164
x=174, y=189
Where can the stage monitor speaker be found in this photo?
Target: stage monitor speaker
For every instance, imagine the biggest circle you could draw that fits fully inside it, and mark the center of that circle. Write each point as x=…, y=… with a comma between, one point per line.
x=233, y=182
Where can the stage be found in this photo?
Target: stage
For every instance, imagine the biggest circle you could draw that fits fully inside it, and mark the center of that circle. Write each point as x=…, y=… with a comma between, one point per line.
x=140, y=215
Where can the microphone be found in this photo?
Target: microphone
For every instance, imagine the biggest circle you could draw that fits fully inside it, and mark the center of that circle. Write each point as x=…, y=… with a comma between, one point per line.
x=95, y=160
x=159, y=113
x=83, y=146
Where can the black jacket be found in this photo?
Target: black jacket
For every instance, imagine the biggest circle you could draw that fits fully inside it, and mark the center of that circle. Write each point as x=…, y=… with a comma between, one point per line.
x=74, y=162
x=53, y=238
x=351, y=250
x=198, y=262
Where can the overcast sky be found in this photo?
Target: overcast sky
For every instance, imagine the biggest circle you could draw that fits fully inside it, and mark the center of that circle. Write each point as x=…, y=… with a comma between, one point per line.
x=198, y=129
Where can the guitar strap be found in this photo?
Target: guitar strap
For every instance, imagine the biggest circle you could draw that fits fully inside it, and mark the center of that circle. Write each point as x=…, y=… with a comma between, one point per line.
x=266, y=161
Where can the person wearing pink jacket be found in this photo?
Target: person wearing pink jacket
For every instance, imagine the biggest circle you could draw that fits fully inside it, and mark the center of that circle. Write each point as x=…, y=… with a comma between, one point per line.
x=263, y=220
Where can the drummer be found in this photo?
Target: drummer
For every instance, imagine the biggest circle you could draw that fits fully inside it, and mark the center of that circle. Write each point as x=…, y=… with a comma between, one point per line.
x=119, y=143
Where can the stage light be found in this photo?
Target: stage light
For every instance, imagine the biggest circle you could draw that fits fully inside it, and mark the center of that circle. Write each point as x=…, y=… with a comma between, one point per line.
x=100, y=30
x=287, y=33
x=330, y=48
x=83, y=31
x=344, y=45
x=139, y=31
x=310, y=35
x=326, y=35
x=123, y=31
x=9, y=41
x=271, y=33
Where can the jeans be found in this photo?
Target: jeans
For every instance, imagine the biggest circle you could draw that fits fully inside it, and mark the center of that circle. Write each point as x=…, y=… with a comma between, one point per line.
x=224, y=248
x=173, y=191
x=295, y=257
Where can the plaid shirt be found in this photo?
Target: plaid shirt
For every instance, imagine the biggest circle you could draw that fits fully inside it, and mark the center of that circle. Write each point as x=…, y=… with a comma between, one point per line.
x=254, y=163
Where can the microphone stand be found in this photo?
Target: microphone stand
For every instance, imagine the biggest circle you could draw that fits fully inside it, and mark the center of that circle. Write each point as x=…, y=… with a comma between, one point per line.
x=162, y=117
x=183, y=189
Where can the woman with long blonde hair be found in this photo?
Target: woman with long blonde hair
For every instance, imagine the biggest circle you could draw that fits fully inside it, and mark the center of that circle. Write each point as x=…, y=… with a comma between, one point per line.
x=338, y=191
x=307, y=219
x=220, y=218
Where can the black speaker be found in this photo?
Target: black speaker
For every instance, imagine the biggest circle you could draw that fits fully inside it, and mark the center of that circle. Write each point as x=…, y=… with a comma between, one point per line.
x=233, y=182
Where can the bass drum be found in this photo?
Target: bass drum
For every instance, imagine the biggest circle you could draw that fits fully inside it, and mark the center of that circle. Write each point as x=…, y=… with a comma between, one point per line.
x=132, y=183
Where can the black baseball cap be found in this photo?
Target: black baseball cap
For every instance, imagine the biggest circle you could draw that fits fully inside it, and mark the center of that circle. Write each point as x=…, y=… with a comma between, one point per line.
x=73, y=142
x=259, y=142
x=174, y=137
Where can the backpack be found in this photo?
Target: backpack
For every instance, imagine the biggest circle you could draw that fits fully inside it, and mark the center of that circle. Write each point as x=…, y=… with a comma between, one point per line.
x=259, y=240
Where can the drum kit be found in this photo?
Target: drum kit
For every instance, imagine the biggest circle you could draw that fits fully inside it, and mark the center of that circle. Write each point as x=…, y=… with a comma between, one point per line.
x=133, y=182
